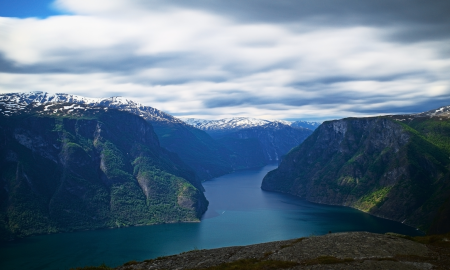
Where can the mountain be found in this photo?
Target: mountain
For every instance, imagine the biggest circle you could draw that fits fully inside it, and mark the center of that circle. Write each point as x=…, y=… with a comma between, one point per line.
x=196, y=148
x=305, y=124
x=396, y=167
x=275, y=139
x=254, y=142
x=219, y=128
x=71, y=166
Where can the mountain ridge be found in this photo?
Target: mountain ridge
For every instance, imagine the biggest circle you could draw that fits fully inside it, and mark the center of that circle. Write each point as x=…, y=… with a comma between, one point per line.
x=195, y=147
x=69, y=167
x=235, y=123
x=203, y=148
x=396, y=167
x=256, y=141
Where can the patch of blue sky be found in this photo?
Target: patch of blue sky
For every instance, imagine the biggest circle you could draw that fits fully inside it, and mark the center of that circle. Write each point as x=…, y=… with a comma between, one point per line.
x=28, y=8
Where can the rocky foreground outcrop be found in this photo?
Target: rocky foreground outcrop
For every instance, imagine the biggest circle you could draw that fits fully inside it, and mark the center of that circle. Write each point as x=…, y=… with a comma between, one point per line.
x=354, y=250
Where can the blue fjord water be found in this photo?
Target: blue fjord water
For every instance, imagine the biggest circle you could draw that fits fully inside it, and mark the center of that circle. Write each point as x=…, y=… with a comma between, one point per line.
x=240, y=213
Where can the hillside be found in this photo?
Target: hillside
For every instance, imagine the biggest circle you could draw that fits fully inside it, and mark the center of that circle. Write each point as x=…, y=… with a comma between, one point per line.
x=222, y=127
x=72, y=167
x=305, y=124
x=396, y=167
x=195, y=147
x=210, y=147
x=253, y=142
x=271, y=141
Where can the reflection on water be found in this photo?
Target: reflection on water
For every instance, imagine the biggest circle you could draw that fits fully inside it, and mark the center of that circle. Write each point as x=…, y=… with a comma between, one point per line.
x=239, y=213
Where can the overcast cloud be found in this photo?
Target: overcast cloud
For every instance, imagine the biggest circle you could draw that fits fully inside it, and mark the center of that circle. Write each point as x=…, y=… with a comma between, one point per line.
x=285, y=59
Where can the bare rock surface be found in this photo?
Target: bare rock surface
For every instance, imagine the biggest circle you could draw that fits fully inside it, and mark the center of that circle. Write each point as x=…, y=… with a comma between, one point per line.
x=353, y=250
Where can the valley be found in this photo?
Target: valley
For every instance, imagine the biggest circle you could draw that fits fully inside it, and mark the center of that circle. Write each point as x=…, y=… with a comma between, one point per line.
x=252, y=216
x=224, y=134
x=245, y=146
x=71, y=163
x=117, y=162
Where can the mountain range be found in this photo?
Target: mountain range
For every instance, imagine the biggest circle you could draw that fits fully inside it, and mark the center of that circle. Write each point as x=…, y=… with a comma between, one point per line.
x=395, y=167
x=204, y=155
x=256, y=141
x=73, y=163
x=201, y=150
x=67, y=166
x=219, y=128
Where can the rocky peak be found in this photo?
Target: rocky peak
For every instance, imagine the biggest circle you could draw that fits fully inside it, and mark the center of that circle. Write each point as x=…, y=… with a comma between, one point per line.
x=16, y=102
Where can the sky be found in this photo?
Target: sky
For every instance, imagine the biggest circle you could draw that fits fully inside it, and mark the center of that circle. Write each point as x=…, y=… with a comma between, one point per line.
x=271, y=59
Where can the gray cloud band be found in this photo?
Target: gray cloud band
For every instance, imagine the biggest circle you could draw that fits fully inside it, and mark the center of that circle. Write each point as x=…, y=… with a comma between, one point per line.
x=334, y=57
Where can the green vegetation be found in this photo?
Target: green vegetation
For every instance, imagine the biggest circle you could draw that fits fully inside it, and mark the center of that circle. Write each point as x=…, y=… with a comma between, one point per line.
x=75, y=173
x=204, y=155
x=248, y=153
x=372, y=199
x=216, y=155
x=395, y=169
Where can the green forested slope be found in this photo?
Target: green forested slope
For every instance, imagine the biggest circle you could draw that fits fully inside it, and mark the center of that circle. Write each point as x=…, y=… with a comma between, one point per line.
x=89, y=169
x=207, y=157
x=394, y=167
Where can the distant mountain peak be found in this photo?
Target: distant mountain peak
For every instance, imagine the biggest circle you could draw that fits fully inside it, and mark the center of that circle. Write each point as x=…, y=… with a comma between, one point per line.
x=15, y=102
x=440, y=112
x=236, y=123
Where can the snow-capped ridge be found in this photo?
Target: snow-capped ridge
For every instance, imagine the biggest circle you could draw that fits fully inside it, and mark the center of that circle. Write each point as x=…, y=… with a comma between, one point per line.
x=235, y=123
x=226, y=123
x=440, y=112
x=16, y=102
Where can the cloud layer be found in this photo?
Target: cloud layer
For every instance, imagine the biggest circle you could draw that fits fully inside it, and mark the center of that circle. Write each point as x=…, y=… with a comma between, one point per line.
x=211, y=59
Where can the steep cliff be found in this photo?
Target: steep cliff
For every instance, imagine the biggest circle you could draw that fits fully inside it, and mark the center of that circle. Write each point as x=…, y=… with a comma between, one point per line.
x=253, y=142
x=87, y=168
x=396, y=167
x=207, y=157
x=195, y=147
x=272, y=140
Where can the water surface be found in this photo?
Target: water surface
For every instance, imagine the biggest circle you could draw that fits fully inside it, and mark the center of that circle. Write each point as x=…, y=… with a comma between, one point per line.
x=240, y=213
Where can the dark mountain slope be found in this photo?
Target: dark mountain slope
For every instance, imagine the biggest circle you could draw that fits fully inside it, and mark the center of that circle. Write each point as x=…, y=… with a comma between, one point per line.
x=273, y=140
x=195, y=147
x=395, y=167
x=246, y=152
x=74, y=167
x=252, y=142
x=305, y=124
x=207, y=157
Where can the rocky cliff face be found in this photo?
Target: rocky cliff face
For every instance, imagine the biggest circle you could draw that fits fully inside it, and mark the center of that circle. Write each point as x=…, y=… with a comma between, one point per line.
x=207, y=157
x=272, y=140
x=253, y=142
x=394, y=167
x=90, y=168
x=195, y=147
